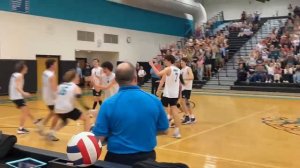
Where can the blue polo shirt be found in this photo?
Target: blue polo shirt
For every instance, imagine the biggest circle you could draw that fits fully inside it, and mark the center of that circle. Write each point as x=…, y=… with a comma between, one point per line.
x=131, y=119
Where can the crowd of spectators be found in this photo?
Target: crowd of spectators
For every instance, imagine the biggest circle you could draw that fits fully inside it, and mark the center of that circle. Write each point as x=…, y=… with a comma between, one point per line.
x=275, y=58
x=248, y=24
x=206, y=54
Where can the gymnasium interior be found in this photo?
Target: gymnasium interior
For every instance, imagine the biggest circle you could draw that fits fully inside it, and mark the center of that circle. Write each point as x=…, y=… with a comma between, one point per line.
x=244, y=56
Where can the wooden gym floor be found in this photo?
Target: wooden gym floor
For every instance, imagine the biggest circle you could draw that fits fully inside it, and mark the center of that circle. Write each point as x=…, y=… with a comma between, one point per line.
x=230, y=132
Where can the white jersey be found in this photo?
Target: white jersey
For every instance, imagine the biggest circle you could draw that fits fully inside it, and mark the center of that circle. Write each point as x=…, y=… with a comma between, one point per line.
x=172, y=83
x=14, y=94
x=188, y=84
x=96, y=75
x=65, y=100
x=48, y=93
x=107, y=80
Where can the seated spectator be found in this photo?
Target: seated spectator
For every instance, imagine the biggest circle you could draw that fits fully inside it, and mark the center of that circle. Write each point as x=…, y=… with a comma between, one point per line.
x=131, y=126
x=260, y=74
x=277, y=73
x=288, y=74
x=242, y=73
x=270, y=69
x=297, y=75
x=274, y=53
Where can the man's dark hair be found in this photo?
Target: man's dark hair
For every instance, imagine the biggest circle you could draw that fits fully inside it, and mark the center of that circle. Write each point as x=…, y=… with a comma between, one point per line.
x=107, y=65
x=69, y=75
x=96, y=59
x=125, y=76
x=49, y=63
x=19, y=66
x=184, y=59
x=170, y=58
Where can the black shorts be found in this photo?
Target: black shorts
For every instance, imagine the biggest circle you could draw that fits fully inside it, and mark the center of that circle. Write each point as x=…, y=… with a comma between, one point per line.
x=186, y=94
x=97, y=94
x=19, y=103
x=51, y=107
x=169, y=101
x=74, y=115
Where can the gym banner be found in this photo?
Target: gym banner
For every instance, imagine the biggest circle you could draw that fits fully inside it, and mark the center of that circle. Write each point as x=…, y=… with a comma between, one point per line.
x=21, y=6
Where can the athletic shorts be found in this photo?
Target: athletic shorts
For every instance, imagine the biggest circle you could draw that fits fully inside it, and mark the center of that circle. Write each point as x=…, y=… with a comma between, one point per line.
x=169, y=101
x=186, y=94
x=51, y=107
x=74, y=115
x=97, y=94
x=19, y=103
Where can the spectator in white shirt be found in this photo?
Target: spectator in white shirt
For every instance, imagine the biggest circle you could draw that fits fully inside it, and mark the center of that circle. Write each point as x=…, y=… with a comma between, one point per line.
x=141, y=76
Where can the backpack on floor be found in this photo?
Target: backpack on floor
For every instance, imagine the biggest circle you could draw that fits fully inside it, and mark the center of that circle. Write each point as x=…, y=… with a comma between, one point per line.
x=6, y=144
x=154, y=164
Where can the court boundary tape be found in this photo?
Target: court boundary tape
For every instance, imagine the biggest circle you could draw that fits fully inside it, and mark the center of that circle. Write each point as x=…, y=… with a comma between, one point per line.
x=221, y=158
x=217, y=127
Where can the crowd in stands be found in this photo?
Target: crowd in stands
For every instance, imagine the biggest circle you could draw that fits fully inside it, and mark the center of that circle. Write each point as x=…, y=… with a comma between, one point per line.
x=247, y=25
x=206, y=54
x=277, y=57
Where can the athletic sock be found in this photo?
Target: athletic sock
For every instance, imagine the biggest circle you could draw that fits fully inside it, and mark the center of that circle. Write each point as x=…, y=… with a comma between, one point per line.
x=169, y=117
x=176, y=130
x=192, y=116
x=100, y=102
x=94, y=105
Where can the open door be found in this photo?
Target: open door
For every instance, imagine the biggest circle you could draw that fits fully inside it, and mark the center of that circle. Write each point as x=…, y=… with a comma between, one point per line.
x=41, y=67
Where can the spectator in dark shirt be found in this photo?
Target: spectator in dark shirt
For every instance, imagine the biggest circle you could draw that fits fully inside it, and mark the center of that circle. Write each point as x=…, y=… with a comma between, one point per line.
x=87, y=71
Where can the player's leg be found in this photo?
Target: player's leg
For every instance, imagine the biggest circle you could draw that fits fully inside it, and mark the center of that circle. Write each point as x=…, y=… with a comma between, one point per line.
x=25, y=113
x=176, y=117
x=86, y=122
x=186, y=118
x=59, y=121
x=50, y=114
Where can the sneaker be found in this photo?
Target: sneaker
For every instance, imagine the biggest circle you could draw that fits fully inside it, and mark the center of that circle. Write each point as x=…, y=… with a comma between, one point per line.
x=22, y=131
x=183, y=117
x=186, y=120
x=51, y=137
x=176, y=135
x=193, y=120
x=40, y=127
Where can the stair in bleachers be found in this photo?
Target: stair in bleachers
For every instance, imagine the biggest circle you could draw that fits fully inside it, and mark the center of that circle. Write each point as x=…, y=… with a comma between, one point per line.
x=239, y=47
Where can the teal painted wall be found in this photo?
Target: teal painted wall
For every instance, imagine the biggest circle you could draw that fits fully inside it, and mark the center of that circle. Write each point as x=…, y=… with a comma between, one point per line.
x=102, y=12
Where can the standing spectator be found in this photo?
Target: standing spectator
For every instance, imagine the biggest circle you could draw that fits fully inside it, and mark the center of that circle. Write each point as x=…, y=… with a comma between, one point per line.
x=87, y=72
x=132, y=135
x=297, y=75
x=154, y=78
x=141, y=75
x=290, y=8
x=296, y=44
x=241, y=73
x=79, y=72
x=243, y=16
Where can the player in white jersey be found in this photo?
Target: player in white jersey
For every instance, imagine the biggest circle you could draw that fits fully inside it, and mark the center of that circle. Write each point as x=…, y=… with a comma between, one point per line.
x=65, y=109
x=97, y=72
x=17, y=94
x=171, y=77
x=49, y=91
x=188, y=78
x=111, y=87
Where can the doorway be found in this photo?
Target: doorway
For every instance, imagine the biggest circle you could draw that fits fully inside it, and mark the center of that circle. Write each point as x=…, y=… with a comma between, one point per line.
x=41, y=67
x=88, y=56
